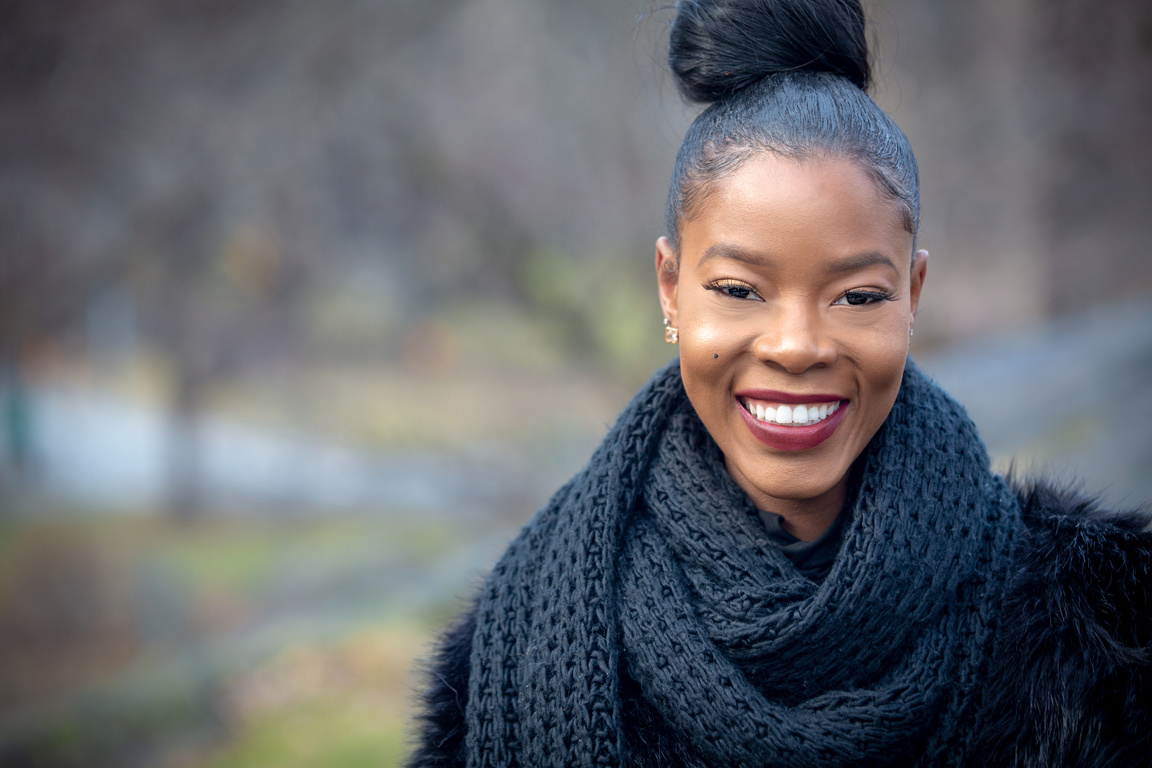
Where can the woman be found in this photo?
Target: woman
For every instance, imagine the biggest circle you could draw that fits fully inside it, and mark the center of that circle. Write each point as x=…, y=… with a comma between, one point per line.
x=790, y=549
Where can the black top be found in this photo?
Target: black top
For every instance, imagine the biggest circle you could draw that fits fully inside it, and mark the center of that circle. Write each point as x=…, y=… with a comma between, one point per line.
x=812, y=558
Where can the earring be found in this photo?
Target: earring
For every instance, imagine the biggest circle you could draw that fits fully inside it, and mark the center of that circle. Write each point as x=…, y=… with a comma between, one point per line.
x=911, y=331
x=671, y=335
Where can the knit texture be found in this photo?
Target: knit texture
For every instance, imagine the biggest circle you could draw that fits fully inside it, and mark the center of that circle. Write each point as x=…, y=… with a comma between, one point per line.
x=654, y=561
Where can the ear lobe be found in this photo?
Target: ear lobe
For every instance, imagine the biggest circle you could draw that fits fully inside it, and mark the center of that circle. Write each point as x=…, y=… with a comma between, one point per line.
x=919, y=273
x=668, y=279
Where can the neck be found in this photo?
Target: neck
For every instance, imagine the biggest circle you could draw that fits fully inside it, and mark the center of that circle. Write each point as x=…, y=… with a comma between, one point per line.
x=805, y=519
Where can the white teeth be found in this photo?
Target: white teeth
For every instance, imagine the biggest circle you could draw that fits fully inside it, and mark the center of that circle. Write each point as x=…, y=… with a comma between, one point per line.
x=792, y=414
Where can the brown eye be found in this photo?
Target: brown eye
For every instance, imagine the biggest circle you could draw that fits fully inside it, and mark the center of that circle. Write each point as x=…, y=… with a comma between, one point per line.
x=858, y=298
x=733, y=289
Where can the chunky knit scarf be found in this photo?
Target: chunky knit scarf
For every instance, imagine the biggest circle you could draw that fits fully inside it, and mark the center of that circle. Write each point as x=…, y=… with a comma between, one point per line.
x=652, y=560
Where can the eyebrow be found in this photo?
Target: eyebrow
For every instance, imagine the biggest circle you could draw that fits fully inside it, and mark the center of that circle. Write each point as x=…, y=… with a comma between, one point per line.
x=842, y=266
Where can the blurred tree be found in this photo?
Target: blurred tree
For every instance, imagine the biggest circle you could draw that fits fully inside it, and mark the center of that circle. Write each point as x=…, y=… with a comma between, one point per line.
x=1096, y=117
x=41, y=294
x=224, y=165
x=1030, y=120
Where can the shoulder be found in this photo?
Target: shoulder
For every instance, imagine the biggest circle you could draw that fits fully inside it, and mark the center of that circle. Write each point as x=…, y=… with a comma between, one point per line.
x=440, y=723
x=1071, y=681
x=1045, y=506
x=1072, y=551
x=1084, y=574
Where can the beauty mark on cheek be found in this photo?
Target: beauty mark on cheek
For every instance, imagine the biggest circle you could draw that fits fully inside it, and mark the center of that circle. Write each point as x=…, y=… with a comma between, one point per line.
x=714, y=356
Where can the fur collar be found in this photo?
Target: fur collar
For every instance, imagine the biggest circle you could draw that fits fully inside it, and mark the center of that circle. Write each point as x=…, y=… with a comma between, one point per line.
x=1071, y=682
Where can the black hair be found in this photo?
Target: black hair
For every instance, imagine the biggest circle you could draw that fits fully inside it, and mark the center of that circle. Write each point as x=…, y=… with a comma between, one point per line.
x=782, y=76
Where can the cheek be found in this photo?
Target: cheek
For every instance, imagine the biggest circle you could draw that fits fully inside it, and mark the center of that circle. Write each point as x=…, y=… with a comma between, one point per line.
x=889, y=348
x=708, y=327
x=702, y=337
x=708, y=349
x=706, y=344
x=882, y=360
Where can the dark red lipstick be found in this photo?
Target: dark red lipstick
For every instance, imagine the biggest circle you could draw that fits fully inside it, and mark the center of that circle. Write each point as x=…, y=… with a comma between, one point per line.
x=790, y=438
x=787, y=398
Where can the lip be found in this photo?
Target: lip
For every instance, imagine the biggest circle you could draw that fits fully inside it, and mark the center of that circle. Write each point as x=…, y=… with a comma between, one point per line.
x=787, y=398
x=792, y=438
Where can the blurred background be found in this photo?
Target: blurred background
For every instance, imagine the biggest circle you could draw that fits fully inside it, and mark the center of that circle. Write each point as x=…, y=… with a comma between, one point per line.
x=305, y=307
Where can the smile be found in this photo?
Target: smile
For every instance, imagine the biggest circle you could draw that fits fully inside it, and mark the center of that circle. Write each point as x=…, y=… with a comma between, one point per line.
x=799, y=415
x=789, y=422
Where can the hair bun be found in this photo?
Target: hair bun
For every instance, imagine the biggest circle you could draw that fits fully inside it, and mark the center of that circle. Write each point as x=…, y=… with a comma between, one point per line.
x=718, y=47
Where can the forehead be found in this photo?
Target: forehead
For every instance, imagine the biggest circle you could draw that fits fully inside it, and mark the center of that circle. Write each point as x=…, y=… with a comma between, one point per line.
x=821, y=204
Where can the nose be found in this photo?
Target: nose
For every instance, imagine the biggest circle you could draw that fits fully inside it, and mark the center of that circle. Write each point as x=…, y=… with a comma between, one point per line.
x=796, y=339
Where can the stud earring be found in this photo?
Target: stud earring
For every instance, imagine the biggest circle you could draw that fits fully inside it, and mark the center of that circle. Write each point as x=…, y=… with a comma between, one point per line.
x=671, y=335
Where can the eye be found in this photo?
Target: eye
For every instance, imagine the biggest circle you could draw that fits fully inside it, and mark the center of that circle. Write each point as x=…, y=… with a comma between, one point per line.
x=734, y=289
x=858, y=298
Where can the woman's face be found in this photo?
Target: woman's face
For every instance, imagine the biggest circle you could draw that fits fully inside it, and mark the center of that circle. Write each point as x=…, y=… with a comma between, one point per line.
x=793, y=291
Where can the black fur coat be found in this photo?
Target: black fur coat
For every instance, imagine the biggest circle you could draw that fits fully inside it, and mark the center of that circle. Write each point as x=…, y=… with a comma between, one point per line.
x=1069, y=685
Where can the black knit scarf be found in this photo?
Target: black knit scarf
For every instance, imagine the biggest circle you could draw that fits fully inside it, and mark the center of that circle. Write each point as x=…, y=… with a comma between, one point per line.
x=651, y=558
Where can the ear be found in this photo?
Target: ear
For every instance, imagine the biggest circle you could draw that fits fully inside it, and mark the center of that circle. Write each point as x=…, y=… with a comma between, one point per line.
x=668, y=279
x=919, y=272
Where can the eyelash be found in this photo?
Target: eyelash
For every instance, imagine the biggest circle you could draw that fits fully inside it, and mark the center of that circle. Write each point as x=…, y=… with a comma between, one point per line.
x=724, y=285
x=735, y=289
x=870, y=297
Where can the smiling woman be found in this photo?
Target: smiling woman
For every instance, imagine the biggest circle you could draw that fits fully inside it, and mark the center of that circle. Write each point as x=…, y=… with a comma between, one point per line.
x=791, y=549
x=793, y=289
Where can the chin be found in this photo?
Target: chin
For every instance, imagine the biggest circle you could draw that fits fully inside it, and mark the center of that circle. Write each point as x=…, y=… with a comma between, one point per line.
x=801, y=491
x=792, y=478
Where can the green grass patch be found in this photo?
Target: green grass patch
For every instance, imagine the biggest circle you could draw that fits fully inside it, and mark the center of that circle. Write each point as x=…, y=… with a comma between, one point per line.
x=342, y=703
x=316, y=734
x=133, y=599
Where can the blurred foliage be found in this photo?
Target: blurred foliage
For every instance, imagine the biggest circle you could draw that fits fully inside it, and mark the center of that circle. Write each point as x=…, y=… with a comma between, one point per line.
x=128, y=642
x=342, y=704
x=606, y=305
